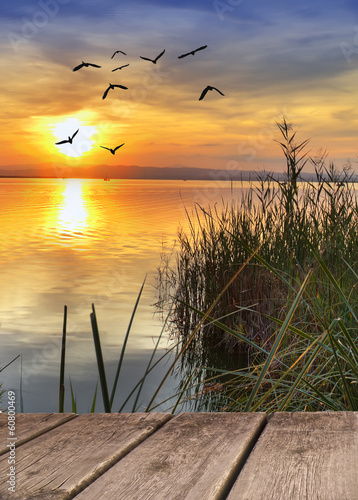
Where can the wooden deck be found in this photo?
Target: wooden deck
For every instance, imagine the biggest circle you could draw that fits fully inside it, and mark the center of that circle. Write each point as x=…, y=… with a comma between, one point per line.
x=192, y=456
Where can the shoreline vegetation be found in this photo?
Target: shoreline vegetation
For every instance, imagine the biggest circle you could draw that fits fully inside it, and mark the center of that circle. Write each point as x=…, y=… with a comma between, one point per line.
x=281, y=267
x=172, y=174
x=261, y=302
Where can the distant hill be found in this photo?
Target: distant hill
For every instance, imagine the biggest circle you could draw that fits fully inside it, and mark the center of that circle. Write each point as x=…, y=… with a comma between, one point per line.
x=137, y=172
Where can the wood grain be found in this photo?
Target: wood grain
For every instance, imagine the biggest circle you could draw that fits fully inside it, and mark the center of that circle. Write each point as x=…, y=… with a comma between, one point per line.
x=30, y=425
x=303, y=456
x=195, y=456
x=63, y=461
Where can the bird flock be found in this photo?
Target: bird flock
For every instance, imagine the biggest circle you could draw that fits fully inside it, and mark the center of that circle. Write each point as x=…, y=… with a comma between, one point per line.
x=123, y=87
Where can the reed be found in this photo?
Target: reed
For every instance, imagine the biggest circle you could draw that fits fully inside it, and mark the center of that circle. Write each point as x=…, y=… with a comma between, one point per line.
x=100, y=363
x=2, y=391
x=120, y=362
x=306, y=235
x=61, y=403
x=316, y=372
x=265, y=298
x=108, y=400
x=319, y=372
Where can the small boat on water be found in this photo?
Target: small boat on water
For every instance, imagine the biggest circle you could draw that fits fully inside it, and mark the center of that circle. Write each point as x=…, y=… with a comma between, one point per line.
x=106, y=179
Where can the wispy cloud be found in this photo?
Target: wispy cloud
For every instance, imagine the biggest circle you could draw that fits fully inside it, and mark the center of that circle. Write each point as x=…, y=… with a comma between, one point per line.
x=268, y=58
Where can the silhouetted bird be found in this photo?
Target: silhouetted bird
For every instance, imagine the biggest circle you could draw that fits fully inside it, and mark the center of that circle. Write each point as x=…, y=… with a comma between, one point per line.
x=154, y=61
x=117, y=52
x=209, y=87
x=83, y=64
x=124, y=66
x=192, y=52
x=70, y=139
x=112, y=150
x=112, y=87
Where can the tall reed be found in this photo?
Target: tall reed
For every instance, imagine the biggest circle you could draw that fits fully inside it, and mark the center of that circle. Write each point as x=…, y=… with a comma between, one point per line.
x=107, y=395
x=297, y=226
x=318, y=372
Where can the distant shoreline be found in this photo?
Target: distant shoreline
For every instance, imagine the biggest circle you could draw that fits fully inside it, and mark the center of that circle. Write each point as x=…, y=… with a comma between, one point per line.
x=132, y=172
x=277, y=177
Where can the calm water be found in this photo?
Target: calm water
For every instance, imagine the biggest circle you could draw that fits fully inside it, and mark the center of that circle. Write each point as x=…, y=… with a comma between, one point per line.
x=78, y=242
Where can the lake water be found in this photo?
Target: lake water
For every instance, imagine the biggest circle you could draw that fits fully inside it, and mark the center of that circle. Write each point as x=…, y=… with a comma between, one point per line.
x=77, y=242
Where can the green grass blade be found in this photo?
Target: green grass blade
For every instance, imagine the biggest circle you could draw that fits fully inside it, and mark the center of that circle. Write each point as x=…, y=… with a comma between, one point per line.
x=198, y=326
x=303, y=372
x=140, y=381
x=299, y=332
x=345, y=356
x=150, y=361
x=73, y=399
x=291, y=387
x=331, y=278
x=278, y=341
x=187, y=382
x=3, y=368
x=21, y=393
x=93, y=407
x=315, y=394
x=322, y=398
x=61, y=398
x=349, y=397
x=100, y=364
x=120, y=362
x=348, y=338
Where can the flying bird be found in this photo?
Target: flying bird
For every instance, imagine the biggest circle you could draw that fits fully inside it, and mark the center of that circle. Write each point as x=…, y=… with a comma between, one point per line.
x=70, y=139
x=209, y=87
x=112, y=150
x=192, y=52
x=83, y=64
x=117, y=52
x=154, y=61
x=112, y=87
x=124, y=66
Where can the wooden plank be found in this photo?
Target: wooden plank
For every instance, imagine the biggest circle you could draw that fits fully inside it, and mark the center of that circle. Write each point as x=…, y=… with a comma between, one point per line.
x=303, y=456
x=29, y=425
x=195, y=456
x=66, y=459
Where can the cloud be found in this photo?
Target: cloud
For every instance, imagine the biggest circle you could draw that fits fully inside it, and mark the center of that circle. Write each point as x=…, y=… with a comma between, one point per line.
x=265, y=56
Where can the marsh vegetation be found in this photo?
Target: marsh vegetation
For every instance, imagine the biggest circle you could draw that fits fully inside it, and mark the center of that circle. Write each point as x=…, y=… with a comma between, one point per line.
x=260, y=300
x=280, y=268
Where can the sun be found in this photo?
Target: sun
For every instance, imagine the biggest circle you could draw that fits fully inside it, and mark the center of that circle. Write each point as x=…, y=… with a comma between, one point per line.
x=81, y=142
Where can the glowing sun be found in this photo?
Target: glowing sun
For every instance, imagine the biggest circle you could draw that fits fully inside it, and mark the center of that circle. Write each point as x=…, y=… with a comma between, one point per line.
x=80, y=144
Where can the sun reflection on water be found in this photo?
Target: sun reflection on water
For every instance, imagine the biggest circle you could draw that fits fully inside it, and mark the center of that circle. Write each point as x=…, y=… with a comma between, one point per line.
x=72, y=216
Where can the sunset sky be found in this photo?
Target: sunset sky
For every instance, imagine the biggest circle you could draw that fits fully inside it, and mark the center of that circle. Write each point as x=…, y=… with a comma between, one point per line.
x=269, y=58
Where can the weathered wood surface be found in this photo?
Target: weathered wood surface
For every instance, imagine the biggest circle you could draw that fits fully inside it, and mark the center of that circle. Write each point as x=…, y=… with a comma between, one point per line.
x=303, y=456
x=195, y=456
x=30, y=425
x=66, y=459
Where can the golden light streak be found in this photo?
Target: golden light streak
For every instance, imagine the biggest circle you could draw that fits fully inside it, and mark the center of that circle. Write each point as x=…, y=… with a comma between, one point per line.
x=72, y=217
